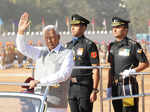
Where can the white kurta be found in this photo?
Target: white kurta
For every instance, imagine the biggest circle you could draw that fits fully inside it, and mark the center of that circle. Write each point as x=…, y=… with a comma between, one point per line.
x=51, y=67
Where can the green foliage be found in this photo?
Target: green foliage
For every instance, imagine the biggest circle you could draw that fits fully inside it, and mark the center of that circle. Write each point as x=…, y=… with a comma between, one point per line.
x=139, y=15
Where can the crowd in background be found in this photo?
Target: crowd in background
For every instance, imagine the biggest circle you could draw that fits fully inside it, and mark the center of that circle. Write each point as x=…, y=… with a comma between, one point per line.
x=10, y=57
x=104, y=46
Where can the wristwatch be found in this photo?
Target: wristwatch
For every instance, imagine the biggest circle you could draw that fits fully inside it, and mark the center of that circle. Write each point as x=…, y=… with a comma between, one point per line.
x=95, y=90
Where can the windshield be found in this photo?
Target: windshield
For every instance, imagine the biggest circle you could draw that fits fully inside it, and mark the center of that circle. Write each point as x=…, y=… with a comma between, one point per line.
x=19, y=104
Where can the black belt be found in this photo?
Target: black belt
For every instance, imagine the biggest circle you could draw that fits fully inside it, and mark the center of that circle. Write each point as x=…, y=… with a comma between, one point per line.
x=118, y=79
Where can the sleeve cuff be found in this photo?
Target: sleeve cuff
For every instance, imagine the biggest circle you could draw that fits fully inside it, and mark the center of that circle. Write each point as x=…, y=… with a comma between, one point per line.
x=42, y=80
x=20, y=37
x=133, y=71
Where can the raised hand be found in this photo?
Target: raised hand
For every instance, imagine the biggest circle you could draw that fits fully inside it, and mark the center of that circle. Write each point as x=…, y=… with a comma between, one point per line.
x=23, y=23
x=33, y=83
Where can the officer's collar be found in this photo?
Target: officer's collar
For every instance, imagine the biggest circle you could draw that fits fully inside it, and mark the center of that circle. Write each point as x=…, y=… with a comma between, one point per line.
x=123, y=41
x=81, y=37
x=77, y=38
x=74, y=38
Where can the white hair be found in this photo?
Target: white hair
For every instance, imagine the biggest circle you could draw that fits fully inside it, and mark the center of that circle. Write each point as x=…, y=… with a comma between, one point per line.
x=50, y=27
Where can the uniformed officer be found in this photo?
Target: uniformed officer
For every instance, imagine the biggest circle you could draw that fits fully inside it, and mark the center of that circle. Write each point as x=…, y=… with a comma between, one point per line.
x=83, y=88
x=125, y=57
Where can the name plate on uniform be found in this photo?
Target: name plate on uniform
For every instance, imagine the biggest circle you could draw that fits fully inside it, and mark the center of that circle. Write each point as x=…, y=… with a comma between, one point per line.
x=80, y=51
x=124, y=52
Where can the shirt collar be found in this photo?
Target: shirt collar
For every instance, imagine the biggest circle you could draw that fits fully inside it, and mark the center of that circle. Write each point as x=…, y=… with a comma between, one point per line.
x=77, y=38
x=124, y=41
x=56, y=49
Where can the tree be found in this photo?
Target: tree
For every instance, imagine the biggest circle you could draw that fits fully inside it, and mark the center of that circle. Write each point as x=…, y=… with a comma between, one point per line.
x=139, y=15
x=53, y=10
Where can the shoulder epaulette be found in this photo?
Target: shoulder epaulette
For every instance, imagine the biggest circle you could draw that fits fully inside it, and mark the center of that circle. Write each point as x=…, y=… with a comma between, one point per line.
x=132, y=41
x=89, y=41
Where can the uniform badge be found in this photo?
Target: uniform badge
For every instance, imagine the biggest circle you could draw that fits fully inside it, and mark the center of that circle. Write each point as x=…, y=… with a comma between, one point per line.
x=116, y=81
x=79, y=58
x=65, y=45
x=80, y=51
x=139, y=51
x=93, y=54
x=74, y=18
x=74, y=58
x=124, y=52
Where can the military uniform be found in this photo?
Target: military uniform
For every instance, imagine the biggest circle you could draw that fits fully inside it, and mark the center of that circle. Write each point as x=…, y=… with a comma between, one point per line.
x=124, y=54
x=81, y=84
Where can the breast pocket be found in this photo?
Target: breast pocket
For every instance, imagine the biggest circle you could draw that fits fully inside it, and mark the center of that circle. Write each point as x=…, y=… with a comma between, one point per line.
x=124, y=52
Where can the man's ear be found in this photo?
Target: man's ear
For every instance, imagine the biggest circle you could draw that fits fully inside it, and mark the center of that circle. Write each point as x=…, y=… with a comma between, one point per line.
x=126, y=29
x=84, y=27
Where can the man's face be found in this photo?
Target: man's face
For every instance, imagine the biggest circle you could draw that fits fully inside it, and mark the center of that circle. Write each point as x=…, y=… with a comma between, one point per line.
x=77, y=30
x=51, y=38
x=119, y=31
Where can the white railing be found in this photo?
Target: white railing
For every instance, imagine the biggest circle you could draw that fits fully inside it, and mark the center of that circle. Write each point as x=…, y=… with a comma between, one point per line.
x=102, y=99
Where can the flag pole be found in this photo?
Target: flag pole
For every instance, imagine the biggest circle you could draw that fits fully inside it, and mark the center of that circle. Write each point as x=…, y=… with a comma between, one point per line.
x=149, y=28
x=93, y=24
x=56, y=24
x=1, y=23
x=149, y=35
x=29, y=28
x=43, y=22
x=67, y=24
x=104, y=24
x=93, y=27
x=68, y=28
x=0, y=29
x=13, y=27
